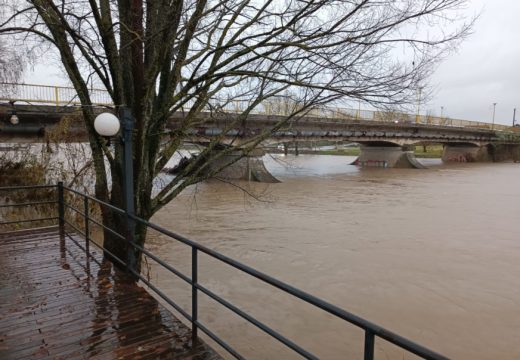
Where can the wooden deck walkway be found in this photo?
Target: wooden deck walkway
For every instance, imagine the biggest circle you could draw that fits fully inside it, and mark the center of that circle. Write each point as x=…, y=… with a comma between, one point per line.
x=54, y=304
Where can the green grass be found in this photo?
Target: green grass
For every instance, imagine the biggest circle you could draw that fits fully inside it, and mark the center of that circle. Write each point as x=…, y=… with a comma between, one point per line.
x=344, y=152
x=432, y=151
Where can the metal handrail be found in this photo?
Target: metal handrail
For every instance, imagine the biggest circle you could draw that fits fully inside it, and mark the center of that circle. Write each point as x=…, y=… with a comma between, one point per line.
x=26, y=204
x=64, y=95
x=311, y=299
x=371, y=330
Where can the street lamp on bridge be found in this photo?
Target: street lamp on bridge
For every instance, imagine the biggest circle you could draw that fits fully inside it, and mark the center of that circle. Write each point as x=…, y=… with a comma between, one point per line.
x=14, y=120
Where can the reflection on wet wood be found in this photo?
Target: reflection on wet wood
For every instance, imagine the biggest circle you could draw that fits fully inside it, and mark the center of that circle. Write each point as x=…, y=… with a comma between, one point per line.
x=54, y=304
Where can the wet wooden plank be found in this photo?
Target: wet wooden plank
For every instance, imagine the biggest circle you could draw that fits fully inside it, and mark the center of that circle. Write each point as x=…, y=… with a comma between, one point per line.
x=57, y=304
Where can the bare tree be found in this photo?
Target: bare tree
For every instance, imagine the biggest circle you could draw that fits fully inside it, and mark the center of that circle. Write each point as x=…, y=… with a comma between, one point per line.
x=11, y=67
x=162, y=57
x=11, y=64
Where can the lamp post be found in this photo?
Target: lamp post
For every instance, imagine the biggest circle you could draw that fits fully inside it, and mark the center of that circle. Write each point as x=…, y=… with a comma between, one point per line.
x=108, y=125
x=514, y=116
x=493, y=123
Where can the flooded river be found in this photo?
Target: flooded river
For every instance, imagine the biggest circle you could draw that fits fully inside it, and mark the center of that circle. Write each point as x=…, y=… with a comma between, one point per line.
x=433, y=255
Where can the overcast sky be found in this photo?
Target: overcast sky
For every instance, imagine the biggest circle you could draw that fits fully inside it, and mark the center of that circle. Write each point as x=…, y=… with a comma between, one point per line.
x=485, y=69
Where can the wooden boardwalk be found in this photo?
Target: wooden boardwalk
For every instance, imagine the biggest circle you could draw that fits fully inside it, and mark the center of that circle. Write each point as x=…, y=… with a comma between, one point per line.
x=54, y=304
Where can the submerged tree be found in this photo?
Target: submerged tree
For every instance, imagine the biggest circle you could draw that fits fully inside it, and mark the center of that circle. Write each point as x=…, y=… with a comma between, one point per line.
x=195, y=57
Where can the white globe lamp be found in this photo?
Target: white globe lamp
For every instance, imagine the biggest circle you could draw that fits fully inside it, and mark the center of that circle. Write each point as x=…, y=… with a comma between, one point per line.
x=106, y=124
x=14, y=120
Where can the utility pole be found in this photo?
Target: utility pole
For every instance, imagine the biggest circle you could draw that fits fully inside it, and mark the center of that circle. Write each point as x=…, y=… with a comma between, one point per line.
x=494, y=108
x=514, y=116
x=442, y=111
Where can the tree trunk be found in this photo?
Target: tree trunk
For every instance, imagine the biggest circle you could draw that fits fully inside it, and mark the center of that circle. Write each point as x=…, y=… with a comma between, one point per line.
x=117, y=248
x=114, y=242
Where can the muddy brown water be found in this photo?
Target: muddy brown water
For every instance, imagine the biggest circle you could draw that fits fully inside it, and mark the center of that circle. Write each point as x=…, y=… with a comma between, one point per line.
x=433, y=255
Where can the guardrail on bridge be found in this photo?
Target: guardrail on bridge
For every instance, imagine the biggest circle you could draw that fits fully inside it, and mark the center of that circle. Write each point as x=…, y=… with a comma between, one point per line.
x=67, y=96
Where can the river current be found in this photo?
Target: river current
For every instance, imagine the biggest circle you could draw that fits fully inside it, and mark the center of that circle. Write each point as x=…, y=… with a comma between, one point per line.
x=433, y=255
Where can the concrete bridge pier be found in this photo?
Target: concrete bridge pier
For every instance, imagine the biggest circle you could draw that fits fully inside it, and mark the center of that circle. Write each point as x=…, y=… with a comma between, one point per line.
x=250, y=167
x=505, y=152
x=467, y=153
x=387, y=155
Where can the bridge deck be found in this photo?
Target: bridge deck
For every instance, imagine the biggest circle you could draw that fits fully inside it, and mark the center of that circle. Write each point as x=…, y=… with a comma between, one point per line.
x=54, y=304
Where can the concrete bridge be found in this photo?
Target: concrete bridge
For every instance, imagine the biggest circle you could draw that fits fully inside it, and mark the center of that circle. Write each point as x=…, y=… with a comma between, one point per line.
x=386, y=139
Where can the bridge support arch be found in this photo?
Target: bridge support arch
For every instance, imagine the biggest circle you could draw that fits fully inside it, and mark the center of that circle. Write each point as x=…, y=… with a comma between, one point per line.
x=239, y=167
x=505, y=152
x=466, y=152
x=481, y=153
x=387, y=155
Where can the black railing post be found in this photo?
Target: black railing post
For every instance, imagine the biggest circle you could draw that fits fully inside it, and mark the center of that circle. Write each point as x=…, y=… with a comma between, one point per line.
x=194, y=299
x=369, y=345
x=87, y=227
x=61, y=206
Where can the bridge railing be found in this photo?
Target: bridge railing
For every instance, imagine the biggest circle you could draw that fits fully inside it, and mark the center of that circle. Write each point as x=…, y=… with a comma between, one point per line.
x=74, y=218
x=52, y=95
x=64, y=96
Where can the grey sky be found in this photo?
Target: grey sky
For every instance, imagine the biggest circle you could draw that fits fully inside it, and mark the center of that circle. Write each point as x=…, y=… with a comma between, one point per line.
x=484, y=70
